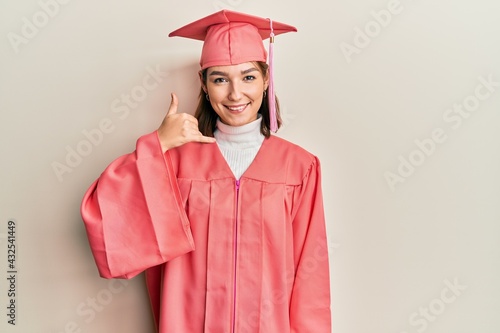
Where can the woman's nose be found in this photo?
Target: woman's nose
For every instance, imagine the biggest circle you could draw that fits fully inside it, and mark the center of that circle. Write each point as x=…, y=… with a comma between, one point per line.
x=235, y=92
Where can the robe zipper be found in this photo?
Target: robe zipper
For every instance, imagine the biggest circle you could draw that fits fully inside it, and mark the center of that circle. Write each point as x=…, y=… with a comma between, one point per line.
x=235, y=254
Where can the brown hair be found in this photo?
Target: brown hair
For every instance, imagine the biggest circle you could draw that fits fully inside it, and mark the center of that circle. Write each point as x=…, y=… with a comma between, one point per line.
x=207, y=117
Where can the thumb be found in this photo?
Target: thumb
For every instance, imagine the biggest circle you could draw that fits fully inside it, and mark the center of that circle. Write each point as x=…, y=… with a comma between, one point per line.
x=173, y=104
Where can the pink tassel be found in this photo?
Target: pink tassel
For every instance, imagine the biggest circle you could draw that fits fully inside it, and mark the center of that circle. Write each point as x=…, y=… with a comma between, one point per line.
x=271, y=97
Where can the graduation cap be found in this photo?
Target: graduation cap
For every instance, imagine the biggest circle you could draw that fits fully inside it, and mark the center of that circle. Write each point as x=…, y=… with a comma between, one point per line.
x=232, y=38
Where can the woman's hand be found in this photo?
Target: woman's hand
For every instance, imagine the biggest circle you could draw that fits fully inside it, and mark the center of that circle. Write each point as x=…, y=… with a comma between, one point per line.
x=179, y=128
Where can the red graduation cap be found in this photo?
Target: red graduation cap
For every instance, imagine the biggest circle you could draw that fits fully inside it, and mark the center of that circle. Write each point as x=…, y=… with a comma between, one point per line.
x=232, y=38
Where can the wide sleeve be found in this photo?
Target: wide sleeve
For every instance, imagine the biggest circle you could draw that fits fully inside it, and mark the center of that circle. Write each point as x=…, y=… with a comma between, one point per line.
x=133, y=213
x=310, y=299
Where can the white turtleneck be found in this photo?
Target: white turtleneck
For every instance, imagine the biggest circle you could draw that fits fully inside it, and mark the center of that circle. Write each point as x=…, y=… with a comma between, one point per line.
x=239, y=144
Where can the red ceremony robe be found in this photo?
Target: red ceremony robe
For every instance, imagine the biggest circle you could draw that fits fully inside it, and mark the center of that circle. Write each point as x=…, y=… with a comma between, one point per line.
x=221, y=255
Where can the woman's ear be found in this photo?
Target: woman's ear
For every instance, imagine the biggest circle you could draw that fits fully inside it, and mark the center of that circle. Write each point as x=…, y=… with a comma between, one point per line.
x=266, y=80
x=202, y=82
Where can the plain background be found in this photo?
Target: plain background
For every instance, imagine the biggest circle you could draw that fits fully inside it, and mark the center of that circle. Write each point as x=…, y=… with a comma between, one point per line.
x=394, y=250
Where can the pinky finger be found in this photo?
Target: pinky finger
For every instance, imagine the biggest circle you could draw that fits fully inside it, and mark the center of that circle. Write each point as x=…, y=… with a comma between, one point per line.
x=205, y=139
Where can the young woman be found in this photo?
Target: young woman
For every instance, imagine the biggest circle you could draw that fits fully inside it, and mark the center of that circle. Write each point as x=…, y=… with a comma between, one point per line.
x=225, y=219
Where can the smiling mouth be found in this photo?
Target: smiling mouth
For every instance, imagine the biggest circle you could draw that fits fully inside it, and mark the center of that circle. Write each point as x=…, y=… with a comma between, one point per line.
x=236, y=108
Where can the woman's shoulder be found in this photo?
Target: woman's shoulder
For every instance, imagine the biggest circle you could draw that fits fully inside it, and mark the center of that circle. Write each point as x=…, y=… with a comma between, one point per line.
x=291, y=160
x=291, y=149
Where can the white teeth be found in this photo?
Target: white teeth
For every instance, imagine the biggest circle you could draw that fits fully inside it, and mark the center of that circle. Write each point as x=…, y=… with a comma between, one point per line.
x=239, y=108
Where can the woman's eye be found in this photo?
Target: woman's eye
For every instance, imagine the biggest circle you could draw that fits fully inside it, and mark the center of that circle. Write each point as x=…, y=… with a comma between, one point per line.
x=249, y=78
x=220, y=80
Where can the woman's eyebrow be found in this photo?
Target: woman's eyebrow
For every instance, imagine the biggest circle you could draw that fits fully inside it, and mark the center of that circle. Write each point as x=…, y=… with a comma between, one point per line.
x=249, y=70
x=246, y=71
x=218, y=73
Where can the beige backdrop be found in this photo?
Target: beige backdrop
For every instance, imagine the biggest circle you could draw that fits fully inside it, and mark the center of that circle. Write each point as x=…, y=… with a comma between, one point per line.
x=400, y=100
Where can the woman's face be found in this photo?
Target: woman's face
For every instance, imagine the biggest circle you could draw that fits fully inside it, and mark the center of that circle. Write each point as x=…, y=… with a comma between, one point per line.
x=236, y=92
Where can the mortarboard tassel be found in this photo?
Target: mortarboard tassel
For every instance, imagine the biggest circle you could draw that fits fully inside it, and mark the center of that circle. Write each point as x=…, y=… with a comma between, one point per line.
x=271, y=98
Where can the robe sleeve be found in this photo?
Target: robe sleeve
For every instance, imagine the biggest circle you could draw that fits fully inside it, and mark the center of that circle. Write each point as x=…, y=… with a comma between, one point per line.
x=133, y=214
x=310, y=299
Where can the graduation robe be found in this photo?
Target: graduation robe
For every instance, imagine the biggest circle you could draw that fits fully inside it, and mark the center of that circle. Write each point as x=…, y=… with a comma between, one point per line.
x=221, y=255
